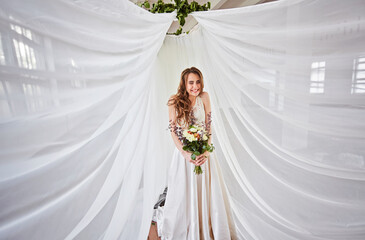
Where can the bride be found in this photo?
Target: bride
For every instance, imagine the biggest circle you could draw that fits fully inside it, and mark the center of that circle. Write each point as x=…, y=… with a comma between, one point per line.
x=196, y=206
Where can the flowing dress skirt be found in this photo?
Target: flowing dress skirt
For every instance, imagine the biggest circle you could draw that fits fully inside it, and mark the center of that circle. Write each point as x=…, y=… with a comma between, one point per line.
x=196, y=206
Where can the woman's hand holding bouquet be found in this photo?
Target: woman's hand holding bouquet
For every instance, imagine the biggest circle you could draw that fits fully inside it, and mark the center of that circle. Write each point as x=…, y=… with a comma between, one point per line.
x=195, y=140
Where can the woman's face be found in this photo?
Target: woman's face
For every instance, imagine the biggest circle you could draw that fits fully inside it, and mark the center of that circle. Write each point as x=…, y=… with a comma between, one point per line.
x=193, y=86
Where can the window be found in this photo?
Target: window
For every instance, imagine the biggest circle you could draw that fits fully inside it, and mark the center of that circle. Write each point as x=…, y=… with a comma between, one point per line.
x=317, y=77
x=2, y=55
x=25, y=54
x=358, y=76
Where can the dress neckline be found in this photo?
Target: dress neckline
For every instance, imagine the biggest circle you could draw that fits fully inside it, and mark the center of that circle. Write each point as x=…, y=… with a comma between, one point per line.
x=196, y=101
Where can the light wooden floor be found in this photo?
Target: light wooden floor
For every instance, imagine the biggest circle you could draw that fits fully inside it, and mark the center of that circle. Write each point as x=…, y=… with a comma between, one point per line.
x=153, y=232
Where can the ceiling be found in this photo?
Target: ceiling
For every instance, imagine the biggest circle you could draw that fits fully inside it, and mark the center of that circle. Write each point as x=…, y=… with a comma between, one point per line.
x=215, y=4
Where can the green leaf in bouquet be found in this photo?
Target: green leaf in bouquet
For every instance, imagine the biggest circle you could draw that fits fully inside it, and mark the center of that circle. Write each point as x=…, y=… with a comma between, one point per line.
x=193, y=156
x=210, y=148
x=196, y=153
x=185, y=148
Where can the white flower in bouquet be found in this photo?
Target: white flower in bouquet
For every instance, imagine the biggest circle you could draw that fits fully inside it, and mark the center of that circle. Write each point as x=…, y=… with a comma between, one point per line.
x=189, y=135
x=193, y=129
x=186, y=133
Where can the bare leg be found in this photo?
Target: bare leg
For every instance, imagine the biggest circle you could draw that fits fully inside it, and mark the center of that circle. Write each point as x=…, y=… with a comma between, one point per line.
x=153, y=232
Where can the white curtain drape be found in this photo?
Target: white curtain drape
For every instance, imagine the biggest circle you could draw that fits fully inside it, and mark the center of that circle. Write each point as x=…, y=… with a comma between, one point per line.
x=84, y=149
x=75, y=116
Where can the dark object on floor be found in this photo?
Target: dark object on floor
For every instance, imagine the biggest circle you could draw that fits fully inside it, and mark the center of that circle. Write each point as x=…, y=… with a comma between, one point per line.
x=161, y=200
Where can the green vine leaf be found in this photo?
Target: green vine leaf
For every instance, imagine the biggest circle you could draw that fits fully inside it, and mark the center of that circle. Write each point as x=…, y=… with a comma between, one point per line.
x=182, y=6
x=179, y=31
x=146, y=4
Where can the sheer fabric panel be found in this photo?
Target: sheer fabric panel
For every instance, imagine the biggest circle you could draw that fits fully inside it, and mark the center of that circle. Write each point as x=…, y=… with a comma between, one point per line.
x=84, y=148
x=289, y=116
x=75, y=95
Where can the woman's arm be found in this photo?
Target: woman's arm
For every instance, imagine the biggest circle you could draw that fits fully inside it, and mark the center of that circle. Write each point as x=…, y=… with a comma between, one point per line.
x=178, y=144
x=172, y=126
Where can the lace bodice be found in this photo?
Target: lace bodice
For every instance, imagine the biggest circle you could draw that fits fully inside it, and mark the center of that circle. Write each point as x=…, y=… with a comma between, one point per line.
x=198, y=111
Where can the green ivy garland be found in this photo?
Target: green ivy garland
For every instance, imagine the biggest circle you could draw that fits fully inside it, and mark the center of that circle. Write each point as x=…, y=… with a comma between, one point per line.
x=182, y=6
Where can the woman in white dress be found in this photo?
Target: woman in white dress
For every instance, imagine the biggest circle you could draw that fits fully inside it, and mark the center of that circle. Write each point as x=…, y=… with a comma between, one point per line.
x=196, y=206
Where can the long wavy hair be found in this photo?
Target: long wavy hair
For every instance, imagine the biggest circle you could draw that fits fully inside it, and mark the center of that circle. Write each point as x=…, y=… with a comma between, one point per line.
x=181, y=100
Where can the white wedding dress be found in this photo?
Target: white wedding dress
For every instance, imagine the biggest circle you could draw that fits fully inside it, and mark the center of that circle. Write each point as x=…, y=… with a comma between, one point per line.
x=196, y=206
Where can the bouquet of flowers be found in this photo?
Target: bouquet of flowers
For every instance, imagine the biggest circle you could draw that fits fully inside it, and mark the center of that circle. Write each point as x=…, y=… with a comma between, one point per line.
x=195, y=140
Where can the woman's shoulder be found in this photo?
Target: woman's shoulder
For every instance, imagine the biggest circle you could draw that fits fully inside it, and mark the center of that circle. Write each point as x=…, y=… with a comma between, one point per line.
x=170, y=102
x=171, y=98
x=204, y=96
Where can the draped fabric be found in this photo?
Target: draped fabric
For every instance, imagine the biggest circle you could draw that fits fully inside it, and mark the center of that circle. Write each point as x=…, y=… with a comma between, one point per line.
x=84, y=150
x=75, y=115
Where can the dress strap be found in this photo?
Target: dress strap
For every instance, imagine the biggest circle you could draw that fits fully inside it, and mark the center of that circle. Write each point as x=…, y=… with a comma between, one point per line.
x=200, y=101
x=197, y=102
